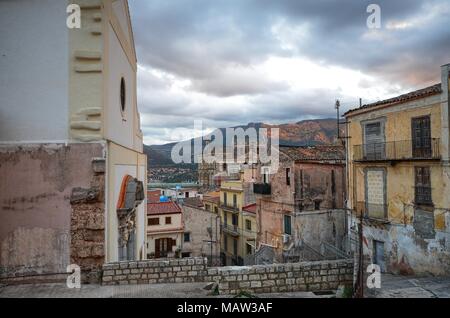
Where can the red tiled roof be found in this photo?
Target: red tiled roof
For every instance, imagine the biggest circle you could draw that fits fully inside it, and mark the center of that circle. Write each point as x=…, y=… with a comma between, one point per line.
x=215, y=200
x=193, y=202
x=153, y=196
x=424, y=92
x=250, y=208
x=163, y=208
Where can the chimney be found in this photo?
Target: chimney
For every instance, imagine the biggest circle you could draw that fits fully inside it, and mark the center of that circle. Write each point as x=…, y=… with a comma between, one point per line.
x=445, y=114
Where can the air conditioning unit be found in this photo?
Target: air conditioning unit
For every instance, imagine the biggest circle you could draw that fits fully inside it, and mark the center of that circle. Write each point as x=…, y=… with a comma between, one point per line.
x=286, y=238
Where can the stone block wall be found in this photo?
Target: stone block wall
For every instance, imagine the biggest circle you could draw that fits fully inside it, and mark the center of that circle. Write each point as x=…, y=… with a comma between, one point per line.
x=304, y=276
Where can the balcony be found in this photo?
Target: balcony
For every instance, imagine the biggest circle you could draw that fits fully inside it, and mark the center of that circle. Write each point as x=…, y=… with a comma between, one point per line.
x=230, y=208
x=397, y=151
x=231, y=229
x=262, y=188
x=373, y=210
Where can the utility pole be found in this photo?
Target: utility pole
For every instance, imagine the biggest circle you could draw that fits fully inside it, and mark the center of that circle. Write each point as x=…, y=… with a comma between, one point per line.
x=337, y=105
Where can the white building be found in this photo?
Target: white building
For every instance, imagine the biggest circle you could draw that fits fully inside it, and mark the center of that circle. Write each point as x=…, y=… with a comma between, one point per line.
x=70, y=137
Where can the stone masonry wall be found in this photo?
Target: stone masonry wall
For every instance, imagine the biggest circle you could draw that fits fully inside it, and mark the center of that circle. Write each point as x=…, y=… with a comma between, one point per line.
x=304, y=276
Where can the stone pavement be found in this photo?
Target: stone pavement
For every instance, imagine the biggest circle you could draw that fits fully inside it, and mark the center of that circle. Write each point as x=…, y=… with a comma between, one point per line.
x=394, y=286
x=189, y=290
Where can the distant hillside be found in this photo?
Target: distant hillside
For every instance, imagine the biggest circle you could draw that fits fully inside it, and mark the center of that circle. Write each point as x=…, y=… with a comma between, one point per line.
x=303, y=133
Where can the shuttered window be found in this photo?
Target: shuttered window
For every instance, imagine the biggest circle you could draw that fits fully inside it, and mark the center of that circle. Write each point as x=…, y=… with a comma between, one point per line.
x=287, y=224
x=421, y=137
x=423, y=186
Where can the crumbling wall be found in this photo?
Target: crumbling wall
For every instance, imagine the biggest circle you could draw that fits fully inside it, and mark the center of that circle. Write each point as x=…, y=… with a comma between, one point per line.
x=319, y=186
x=408, y=253
x=36, y=184
x=87, y=226
x=317, y=227
x=203, y=227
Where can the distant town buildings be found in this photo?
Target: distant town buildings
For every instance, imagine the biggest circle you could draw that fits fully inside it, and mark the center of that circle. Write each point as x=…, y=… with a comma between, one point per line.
x=309, y=181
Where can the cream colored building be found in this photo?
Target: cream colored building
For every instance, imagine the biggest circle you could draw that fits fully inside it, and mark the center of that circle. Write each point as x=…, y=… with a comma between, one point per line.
x=165, y=229
x=398, y=179
x=69, y=114
x=238, y=219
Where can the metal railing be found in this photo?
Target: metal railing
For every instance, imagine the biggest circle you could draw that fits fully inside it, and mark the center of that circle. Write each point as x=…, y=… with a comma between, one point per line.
x=230, y=228
x=397, y=150
x=262, y=188
x=231, y=208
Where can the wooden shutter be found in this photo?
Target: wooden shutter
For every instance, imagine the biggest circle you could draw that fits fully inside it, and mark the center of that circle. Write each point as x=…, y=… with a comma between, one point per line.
x=421, y=137
x=157, y=247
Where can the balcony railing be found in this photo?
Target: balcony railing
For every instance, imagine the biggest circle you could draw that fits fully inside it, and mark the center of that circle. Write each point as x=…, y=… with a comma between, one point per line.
x=231, y=229
x=397, y=150
x=373, y=210
x=262, y=188
x=231, y=208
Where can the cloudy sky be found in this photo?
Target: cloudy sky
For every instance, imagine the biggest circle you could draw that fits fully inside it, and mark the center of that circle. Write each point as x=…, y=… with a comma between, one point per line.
x=229, y=62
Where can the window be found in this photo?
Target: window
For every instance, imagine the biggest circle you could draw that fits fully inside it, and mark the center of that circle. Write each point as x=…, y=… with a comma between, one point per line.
x=373, y=141
x=153, y=221
x=249, y=249
x=234, y=220
x=168, y=220
x=316, y=205
x=122, y=94
x=287, y=225
x=225, y=218
x=225, y=198
x=375, y=193
x=265, y=173
x=235, y=247
x=234, y=200
x=186, y=194
x=185, y=255
x=423, y=186
x=288, y=176
x=248, y=225
x=187, y=237
x=216, y=210
x=421, y=137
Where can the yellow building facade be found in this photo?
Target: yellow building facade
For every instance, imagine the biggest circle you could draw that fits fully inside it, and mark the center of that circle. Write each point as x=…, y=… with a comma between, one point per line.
x=399, y=179
x=238, y=222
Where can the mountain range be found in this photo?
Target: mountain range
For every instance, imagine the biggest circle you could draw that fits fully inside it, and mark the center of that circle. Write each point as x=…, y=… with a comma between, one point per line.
x=302, y=133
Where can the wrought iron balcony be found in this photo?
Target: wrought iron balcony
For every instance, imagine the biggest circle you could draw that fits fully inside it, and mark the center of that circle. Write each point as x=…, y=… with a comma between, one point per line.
x=262, y=188
x=230, y=208
x=397, y=151
x=231, y=229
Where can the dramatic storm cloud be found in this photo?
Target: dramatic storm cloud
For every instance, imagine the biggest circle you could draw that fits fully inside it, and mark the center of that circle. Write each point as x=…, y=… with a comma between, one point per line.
x=229, y=62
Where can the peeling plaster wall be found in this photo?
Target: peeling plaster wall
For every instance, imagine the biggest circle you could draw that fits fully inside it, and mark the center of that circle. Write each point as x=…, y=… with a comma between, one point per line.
x=36, y=182
x=406, y=253
x=324, y=226
x=200, y=223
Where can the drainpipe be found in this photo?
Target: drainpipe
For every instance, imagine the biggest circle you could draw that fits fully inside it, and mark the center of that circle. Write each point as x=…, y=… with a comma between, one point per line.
x=445, y=114
x=445, y=127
